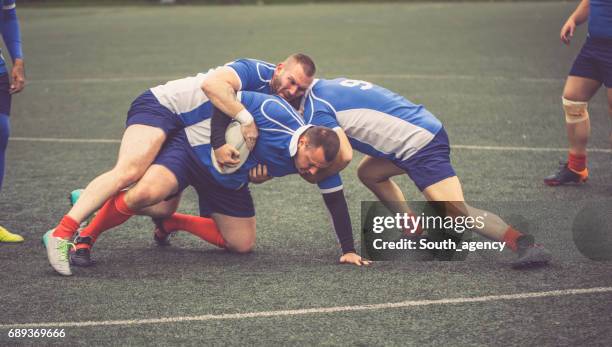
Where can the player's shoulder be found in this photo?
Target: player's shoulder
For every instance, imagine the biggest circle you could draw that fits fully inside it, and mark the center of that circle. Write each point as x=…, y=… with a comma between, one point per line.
x=278, y=113
x=322, y=84
x=253, y=73
x=254, y=98
x=252, y=63
x=329, y=88
x=331, y=91
x=265, y=104
x=274, y=104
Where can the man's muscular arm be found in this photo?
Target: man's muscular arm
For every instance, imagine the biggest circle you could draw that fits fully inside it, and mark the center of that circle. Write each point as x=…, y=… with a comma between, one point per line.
x=225, y=153
x=220, y=86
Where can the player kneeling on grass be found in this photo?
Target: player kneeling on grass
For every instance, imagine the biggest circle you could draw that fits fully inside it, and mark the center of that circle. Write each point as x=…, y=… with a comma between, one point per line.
x=286, y=145
x=399, y=137
x=167, y=109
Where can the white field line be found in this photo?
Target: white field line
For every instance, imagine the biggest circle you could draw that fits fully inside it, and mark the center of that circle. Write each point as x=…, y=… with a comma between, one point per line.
x=62, y=140
x=374, y=76
x=319, y=310
x=472, y=147
x=462, y=77
x=525, y=149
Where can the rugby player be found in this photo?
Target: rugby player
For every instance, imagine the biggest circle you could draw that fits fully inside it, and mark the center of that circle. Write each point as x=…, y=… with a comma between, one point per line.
x=9, y=27
x=592, y=68
x=286, y=145
x=399, y=137
x=163, y=111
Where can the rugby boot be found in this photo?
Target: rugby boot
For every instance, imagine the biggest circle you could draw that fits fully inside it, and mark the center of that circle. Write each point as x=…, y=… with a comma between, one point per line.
x=564, y=175
x=160, y=235
x=530, y=254
x=81, y=254
x=7, y=236
x=57, y=252
x=74, y=196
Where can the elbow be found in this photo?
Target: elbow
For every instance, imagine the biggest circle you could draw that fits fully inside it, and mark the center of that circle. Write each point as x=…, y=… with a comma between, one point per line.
x=207, y=86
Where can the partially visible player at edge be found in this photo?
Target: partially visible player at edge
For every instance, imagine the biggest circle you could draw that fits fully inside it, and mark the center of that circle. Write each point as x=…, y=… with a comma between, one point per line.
x=9, y=26
x=184, y=102
x=592, y=68
x=399, y=137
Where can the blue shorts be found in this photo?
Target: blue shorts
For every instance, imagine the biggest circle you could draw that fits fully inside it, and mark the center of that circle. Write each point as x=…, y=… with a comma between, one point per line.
x=177, y=156
x=431, y=164
x=595, y=61
x=147, y=110
x=5, y=96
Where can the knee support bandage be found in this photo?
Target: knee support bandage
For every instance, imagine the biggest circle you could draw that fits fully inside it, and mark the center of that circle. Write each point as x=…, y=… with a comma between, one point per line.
x=575, y=111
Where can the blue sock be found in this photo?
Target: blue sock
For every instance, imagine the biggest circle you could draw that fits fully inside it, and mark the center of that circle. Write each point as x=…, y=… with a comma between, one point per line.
x=5, y=131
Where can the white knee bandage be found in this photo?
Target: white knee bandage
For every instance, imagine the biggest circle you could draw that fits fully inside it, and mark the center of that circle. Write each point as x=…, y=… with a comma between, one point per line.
x=575, y=111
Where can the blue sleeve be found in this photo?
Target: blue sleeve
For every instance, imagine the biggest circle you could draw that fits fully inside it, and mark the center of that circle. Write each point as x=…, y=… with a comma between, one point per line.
x=317, y=112
x=254, y=75
x=330, y=184
x=341, y=219
x=10, y=30
x=277, y=113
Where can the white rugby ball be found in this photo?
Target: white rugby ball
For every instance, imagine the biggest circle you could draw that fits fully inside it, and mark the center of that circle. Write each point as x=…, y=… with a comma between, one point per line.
x=233, y=136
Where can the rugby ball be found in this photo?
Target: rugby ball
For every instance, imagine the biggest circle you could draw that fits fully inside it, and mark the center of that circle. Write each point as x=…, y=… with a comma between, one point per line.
x=233, y=136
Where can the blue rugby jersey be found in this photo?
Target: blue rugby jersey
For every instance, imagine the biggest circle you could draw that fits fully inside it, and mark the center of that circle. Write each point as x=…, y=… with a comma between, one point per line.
x=255, y=75
x=185, y=98
x=600, y=18
x=9, y=27
x=377, y=121
x=280, y=127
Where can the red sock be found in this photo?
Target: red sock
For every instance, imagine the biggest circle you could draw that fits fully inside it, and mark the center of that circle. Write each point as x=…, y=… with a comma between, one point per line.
x=66, y=227
x=511, y=236
x=113, y=213
x=576, y=162
x=204, y=228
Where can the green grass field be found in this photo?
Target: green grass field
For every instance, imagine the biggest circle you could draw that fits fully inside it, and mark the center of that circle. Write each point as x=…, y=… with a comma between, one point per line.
x=492, y=72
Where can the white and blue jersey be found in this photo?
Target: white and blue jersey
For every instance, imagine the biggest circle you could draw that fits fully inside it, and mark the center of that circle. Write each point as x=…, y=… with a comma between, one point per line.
x=185, y=98
x=9, y=27
x=377, y=121
x=280, y=127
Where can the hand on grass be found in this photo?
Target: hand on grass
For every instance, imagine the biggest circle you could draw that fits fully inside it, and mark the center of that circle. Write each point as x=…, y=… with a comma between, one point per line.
x=354, y=258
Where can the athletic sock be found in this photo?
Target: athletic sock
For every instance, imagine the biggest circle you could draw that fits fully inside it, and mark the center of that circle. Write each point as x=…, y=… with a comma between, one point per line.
x=576, y=162
x=204, y=228
x=511, y=237
x=66, y=228
x=113, y=213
